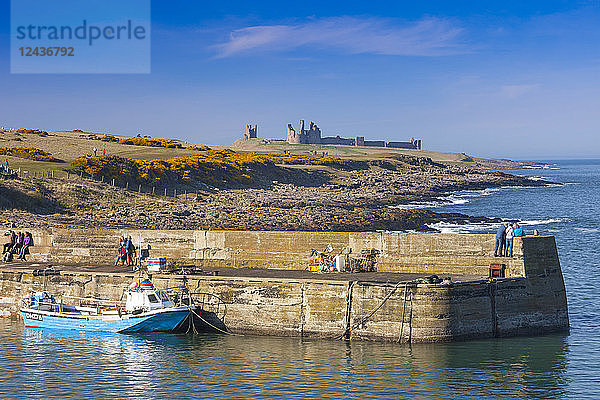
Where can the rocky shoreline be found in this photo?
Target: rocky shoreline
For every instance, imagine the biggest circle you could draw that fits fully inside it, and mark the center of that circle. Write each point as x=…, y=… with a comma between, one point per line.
x=346, y=200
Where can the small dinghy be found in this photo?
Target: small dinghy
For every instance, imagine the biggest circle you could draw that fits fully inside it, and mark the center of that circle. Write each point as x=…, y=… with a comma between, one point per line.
x=147, y=309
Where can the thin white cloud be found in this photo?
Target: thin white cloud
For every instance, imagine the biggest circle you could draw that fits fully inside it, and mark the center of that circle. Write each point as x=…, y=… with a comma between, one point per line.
x=350, y=35
x=514, y=91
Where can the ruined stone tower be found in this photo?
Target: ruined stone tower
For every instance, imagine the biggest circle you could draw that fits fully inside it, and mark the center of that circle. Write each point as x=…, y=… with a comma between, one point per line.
x=304, y=136
x=292, y=136
x=251, y=132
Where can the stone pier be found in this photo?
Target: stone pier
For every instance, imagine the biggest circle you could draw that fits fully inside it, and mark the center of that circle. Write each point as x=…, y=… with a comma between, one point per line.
x=529, y=300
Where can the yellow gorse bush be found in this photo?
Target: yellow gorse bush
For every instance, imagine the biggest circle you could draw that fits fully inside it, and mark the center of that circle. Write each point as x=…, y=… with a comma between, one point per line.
x=142, y=141
x=150, y=142
x=28, y=153
x=215, y=167
x=32, y=131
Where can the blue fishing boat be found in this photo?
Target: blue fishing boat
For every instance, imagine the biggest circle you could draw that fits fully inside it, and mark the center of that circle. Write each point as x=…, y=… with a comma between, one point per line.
x=146, y=309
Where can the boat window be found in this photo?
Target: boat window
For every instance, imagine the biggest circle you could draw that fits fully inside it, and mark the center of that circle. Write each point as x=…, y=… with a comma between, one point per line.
x=152, y=298
x=163, y=296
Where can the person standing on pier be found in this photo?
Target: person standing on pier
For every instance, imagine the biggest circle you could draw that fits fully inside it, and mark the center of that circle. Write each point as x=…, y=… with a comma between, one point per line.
x=518, y=230
x=500, y=237
x=510, y=234
x=130, y=251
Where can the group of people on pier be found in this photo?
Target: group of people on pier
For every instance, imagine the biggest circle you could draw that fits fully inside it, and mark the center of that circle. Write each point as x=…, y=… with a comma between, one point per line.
x=18, y=243
x=504, y=239
x=127, y=252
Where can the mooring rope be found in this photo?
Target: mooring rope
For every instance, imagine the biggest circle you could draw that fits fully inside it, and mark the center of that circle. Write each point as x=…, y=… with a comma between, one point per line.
x=211, y=325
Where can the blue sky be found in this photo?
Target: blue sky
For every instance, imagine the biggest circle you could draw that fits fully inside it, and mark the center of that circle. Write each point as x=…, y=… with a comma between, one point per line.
x=503, y=79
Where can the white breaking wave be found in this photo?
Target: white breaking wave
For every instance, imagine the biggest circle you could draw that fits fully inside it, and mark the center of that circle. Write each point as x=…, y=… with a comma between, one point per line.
x=464, y=196
x=538, y=178
x=587, y=230
x=453, y=200
x=544, y=221
x=450, y=227
x=417, y=205
x=545, y=166
x=456, y=198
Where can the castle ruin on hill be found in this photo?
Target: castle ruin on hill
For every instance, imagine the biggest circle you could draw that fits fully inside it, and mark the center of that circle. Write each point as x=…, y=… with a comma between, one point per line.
x=251, y=131
x=313, y=135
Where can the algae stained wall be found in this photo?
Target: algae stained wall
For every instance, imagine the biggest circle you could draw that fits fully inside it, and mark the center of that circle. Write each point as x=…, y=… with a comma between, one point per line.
x=405, y=312
x=402, y=252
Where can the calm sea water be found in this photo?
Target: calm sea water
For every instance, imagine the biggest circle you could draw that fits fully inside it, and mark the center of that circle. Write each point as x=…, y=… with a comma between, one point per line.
x=53, y=364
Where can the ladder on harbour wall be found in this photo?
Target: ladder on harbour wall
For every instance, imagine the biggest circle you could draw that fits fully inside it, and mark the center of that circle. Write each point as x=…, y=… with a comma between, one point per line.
x=405, y=334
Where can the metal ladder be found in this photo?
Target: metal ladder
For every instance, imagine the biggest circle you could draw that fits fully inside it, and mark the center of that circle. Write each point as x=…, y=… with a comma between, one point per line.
x=408, y=298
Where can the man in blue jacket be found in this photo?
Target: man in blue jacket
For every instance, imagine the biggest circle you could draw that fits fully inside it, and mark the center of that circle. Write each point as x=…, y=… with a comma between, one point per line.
x=500, y=236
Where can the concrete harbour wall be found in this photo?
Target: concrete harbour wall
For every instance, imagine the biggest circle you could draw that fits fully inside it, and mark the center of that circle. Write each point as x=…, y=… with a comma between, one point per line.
x=400, y=252
x=531, y=300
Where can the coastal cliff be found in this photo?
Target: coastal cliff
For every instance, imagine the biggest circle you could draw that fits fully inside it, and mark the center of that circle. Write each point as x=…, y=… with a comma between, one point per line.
x=253, y=191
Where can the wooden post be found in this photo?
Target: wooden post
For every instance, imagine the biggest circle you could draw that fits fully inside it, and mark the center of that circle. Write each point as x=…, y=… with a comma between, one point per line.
x=140, y=188
x=153, y=187
x=127, y=185
x=175, y=193
x=113, y=182
x=102, y=179
x=165, y=192
x=53, y=174
x=185, y=196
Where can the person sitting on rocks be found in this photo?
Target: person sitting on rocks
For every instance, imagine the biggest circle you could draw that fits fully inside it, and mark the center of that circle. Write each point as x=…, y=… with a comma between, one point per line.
x=11, y=241
x=16, y=249
x=27, y=242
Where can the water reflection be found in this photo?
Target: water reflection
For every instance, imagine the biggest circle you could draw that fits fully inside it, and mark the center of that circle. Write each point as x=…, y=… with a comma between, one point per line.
x=68, y=364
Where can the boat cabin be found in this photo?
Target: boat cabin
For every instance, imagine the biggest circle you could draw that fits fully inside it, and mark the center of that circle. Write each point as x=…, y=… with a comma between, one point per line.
x=148, y=299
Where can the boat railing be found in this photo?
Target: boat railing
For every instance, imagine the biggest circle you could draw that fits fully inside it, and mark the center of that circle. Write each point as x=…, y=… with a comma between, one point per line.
x=87, y=301
x=208, y=302
x=62, y=303
x=211, y=303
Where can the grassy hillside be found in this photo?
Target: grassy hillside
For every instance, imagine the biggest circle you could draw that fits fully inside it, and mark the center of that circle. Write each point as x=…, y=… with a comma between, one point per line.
x=258, y=186
x=68, y=146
